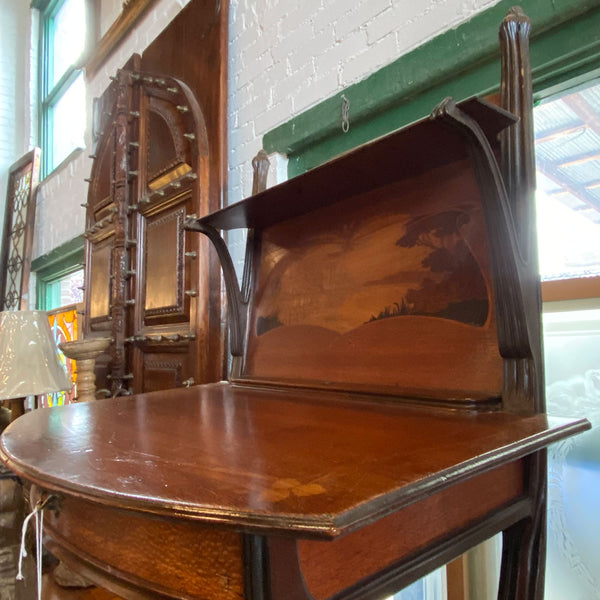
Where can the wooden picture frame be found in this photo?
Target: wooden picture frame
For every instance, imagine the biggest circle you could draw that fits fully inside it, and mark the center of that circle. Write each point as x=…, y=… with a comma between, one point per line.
x=132, y=11
x=17, y=237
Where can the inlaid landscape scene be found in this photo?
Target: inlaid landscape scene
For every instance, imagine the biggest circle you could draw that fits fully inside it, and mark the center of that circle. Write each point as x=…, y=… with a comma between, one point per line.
x=394, y=282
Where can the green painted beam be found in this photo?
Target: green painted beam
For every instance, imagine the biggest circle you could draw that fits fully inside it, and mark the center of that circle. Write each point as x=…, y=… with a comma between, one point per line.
x=70, y=252
x=60, y=261
x=460, y=63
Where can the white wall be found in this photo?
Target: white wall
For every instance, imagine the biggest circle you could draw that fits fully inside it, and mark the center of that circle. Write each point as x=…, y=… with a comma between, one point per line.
x=15, y=118
x=284, y=56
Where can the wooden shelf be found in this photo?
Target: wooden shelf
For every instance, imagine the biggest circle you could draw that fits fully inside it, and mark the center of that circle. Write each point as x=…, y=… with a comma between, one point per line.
x=391, y=158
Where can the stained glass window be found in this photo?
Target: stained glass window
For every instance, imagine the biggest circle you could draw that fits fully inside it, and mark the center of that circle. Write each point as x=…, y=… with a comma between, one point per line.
x=63, y=323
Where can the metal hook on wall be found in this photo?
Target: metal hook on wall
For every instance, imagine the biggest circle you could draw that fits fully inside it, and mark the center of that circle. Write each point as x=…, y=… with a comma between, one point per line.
x=345, y=111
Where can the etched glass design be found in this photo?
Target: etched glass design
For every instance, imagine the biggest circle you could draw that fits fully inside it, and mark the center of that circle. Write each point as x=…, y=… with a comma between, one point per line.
x=16, y=244
x=572, y=352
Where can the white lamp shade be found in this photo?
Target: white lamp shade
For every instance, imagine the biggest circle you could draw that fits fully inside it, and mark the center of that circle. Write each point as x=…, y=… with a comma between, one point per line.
x=29, y=363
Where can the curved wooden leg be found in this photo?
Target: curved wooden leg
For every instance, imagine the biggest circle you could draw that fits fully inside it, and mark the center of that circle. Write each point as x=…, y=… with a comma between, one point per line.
x=523, y=571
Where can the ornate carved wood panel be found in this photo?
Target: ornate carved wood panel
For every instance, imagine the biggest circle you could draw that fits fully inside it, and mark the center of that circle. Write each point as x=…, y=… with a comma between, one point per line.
x=149, y=284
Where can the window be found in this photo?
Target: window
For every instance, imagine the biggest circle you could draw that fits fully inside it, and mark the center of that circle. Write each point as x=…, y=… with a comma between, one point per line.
x=567, y=139
x=63, y=31
x=62, y=290
x=59, y=276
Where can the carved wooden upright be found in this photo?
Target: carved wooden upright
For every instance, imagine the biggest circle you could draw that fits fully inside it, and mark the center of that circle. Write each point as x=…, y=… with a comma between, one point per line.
x=158, y=159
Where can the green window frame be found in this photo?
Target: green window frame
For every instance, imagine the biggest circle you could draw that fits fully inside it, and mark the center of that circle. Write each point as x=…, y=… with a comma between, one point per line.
x=51, y=268
x=49, y=94
x=462, y=62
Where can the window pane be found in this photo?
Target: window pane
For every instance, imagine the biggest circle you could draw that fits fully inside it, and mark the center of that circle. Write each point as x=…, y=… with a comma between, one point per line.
x=69, y=37
x=567, y=132
x=68, y=122
x=64, y=290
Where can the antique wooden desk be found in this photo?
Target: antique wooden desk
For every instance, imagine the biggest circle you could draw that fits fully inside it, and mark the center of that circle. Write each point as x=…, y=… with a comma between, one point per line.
x=385, y=410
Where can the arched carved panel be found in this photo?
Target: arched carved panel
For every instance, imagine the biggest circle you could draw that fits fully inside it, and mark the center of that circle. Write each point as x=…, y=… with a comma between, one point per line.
x=166, y=147
x=153, y=168
x=102, y=175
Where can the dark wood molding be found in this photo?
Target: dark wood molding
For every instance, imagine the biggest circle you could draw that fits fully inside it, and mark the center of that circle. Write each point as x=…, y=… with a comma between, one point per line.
x=132, y=11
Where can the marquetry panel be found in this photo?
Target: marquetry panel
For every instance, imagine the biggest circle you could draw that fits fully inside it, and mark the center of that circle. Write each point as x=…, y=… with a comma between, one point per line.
x=408, y=261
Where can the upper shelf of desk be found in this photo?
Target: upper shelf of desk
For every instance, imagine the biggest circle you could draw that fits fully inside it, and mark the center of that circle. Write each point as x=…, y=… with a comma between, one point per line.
x=407, y=152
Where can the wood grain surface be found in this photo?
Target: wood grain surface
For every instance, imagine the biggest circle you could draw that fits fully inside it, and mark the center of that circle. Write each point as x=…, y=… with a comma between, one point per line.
x=331, y=566
x=167, y=556
x=265, y=460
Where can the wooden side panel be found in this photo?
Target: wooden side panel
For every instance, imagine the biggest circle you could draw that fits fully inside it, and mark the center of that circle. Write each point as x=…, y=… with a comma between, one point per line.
x=329, y=567
x=180, y=558
x=165, y=368
x=100, y=286
x=163, y=275
x=391, y=291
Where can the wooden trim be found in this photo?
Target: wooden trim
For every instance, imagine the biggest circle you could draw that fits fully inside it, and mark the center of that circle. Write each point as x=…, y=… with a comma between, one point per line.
x=457, y=578
x=55, y=259
x=131, y=13
x=571, y=289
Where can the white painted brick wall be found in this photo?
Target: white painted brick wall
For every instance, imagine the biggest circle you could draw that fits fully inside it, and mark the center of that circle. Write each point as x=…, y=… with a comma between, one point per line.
x=14, y=76
x=287, y=56
x=284, y=57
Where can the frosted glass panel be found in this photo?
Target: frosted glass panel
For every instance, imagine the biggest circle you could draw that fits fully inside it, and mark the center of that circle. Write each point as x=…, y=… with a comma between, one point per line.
x=572, y=348
x=69, y=37
x=69, y=121
x=431, y=587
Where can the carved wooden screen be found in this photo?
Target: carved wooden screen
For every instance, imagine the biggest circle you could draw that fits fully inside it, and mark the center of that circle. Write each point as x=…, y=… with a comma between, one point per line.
x=18, y=231
x=148, y=283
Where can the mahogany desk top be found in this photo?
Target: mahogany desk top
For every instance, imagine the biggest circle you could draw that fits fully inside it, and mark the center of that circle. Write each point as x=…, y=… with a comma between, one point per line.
x=266, y=461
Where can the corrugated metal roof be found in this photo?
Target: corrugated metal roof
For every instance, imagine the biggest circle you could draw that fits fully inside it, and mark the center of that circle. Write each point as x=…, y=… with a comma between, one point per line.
x=567, y=134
